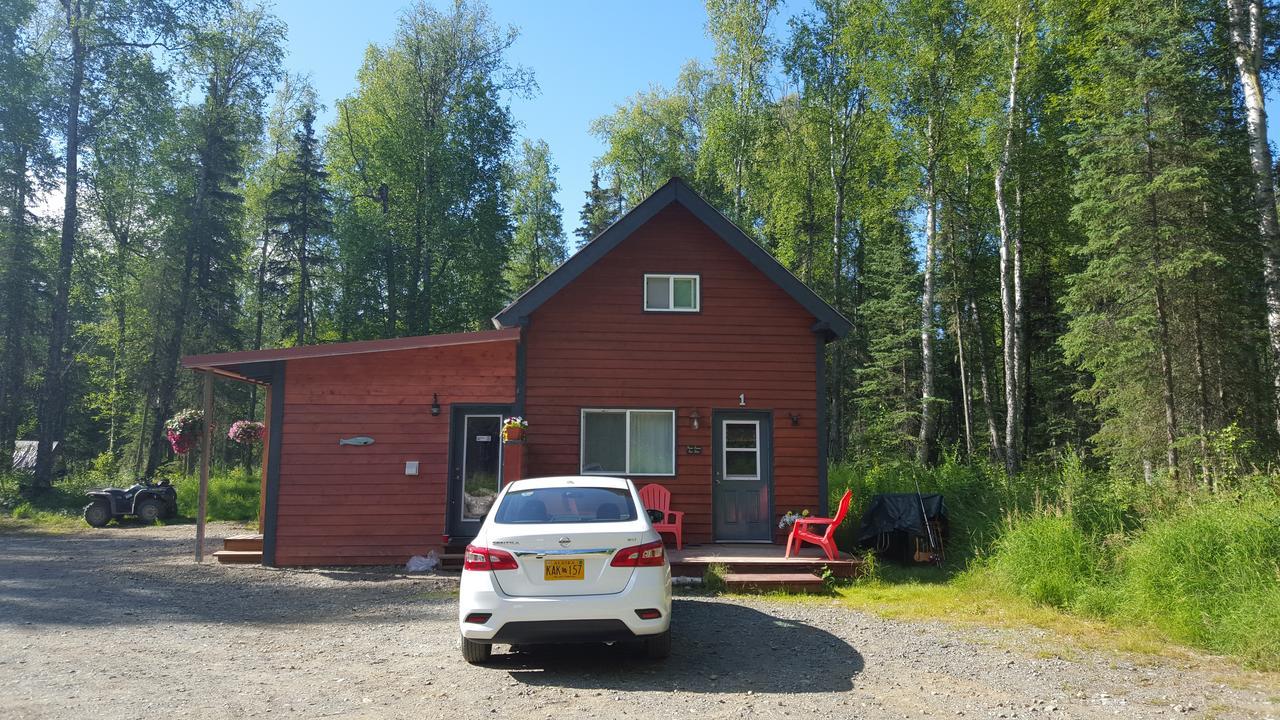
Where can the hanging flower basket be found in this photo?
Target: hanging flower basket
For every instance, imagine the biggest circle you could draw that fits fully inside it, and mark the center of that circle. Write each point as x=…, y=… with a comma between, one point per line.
x=183, y=430
x=513, y=429
x=246, y=432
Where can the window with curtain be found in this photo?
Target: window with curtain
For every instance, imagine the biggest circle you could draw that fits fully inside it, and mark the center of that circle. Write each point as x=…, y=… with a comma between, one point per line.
x=672, y=293
x=628, y=442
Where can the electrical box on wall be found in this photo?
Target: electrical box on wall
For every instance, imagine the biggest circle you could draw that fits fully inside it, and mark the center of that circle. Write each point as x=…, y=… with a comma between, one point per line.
x=411, y=467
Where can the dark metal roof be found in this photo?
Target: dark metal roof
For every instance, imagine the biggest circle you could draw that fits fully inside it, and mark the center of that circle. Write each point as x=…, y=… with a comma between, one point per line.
x=829, y=320
x=252, y=365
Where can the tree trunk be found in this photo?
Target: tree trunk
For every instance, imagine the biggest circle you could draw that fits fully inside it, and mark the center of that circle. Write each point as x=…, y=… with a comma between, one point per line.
x=836, y=424
x=965, y=404
x=1202, y=394
x=52, y=411
x=1245, y=19
x=1166, y=377
x=924, y=449
x=1010, y=282
x=984, y=370
x=14, y=275
x=121, y=308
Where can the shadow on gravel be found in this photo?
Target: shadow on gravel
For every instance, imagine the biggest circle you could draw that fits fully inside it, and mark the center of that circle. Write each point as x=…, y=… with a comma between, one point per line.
x=717, y=647
x=108, y=577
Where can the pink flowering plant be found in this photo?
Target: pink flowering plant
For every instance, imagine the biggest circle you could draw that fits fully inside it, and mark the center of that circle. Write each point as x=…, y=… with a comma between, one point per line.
x=246, y=431
x=183, y=430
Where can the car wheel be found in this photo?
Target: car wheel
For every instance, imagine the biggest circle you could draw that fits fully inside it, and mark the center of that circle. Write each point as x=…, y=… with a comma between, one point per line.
x=658, y=647
x=475, y=652
x=149, y=510
x=97, y=513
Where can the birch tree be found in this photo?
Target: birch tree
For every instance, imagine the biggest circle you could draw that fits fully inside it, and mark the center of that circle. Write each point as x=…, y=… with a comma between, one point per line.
x=1246, y=20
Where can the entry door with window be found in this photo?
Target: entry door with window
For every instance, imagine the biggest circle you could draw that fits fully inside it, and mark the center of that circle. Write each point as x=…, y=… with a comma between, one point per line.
x=475, y=466
x=742, y=475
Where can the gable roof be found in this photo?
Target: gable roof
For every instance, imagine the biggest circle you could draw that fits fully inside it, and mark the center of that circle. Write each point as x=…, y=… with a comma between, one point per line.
x=829, y=320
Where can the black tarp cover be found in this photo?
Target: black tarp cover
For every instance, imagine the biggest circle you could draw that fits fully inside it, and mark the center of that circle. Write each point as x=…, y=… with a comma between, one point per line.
x=899, y=512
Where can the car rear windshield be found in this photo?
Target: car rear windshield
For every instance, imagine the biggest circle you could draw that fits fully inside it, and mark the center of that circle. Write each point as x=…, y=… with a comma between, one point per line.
x=566, y=505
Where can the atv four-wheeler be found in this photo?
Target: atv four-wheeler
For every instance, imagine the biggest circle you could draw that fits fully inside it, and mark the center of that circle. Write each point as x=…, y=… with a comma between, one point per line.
x=145, y=501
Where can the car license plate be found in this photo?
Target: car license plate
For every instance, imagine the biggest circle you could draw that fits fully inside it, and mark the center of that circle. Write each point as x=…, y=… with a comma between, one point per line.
x=563, y=570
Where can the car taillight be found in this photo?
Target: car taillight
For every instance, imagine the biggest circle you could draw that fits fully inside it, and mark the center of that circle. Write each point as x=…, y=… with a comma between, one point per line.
x=483, y=558
x=646, y=555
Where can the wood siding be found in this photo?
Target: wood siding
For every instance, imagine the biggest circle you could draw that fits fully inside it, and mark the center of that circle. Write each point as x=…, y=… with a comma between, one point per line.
x=593, y=346
x=349, y=505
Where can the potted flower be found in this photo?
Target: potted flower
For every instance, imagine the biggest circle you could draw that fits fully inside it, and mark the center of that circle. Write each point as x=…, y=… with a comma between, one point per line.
x=790, y=519
x=513, y=429
x=183, y=430
x=245, y=432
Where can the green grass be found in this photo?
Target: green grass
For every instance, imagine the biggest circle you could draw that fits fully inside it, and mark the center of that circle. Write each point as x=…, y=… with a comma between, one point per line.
x=1085, y=553
x=233, y=496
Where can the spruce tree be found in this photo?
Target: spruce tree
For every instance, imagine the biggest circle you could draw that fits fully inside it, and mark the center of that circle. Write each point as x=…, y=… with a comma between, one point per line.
x=300, y=216
x=598, y=212
x=1148, y=186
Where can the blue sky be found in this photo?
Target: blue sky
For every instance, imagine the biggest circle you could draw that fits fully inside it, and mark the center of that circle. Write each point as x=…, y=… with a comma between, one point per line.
x=587, y=56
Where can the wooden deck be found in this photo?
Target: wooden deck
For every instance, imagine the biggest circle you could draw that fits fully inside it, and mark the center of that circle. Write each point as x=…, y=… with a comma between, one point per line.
x=762, y=559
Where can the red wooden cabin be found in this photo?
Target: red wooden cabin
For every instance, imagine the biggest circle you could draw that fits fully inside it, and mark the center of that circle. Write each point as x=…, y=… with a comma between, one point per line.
x=669, y=349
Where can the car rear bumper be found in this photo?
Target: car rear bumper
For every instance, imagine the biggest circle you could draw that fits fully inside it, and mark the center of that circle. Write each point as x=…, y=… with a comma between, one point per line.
x=533, y=632
x=566, y=618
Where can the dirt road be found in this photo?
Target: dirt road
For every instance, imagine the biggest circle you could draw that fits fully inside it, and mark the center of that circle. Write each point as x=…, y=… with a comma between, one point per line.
x=120, y=623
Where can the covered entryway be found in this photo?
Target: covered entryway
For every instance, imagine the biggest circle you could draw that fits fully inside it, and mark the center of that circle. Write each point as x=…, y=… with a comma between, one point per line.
x=475, y=465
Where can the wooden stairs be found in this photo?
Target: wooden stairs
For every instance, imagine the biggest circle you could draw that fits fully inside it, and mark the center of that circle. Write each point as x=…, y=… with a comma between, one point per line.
x=762, y=568
x=240, y=550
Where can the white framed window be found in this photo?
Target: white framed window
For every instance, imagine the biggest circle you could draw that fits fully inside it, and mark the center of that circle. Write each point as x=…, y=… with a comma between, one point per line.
x=672, y=293
x=628, y=442
x=741, y=450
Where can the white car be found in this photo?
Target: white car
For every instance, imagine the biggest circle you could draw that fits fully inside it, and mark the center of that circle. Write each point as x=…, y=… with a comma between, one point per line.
x=564, y=560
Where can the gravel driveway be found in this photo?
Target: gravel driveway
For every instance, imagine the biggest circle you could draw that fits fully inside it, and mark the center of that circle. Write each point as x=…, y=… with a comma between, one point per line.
x=119, y=623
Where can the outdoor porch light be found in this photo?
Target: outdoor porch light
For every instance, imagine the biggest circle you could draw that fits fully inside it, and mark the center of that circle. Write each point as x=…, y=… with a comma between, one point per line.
x=795, y=418
x=694, y=418
x=435, y=405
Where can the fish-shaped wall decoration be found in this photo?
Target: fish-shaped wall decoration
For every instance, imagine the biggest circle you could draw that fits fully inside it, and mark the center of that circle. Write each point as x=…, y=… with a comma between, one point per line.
x=358, y=440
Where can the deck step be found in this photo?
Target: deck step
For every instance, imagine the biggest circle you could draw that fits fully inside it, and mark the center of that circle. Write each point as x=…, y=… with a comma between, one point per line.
x=696, y=566
x=243, y=542
x=238, y=557
x=765, y=582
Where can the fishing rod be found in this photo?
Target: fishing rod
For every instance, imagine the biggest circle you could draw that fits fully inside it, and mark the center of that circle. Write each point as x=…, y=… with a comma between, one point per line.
x=935, y=556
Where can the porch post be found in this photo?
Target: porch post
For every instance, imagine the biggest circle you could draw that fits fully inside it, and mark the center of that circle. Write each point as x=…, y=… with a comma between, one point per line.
x=268, y=438
x=206, y=446
x=512, y=460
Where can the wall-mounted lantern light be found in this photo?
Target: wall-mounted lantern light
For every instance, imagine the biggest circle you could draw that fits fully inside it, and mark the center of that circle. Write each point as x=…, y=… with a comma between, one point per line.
x=435, y=405
x=694, y=418
x=795, y=419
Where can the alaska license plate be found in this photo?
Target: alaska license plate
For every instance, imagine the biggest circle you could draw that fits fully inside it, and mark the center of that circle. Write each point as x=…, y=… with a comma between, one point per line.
x=563, y=570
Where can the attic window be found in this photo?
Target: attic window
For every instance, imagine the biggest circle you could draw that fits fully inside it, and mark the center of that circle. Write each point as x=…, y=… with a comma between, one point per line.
x=672, y=293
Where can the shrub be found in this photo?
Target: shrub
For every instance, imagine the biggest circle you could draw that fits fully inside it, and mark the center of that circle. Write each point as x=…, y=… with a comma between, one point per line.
x=1046, y=559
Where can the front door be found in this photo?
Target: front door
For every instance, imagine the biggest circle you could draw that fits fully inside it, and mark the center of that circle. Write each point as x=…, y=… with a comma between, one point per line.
x=742, y=476
x=475, y=466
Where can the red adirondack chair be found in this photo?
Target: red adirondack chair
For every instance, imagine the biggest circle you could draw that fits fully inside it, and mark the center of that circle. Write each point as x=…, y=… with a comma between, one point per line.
x=801, y=532
x=656, y=497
